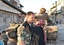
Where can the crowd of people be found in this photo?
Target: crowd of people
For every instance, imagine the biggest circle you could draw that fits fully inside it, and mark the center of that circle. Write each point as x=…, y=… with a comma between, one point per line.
x=30, y=32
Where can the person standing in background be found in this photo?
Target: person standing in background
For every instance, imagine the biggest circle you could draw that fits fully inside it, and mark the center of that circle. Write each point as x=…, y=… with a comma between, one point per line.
x=12, y=38
x=1, y=40
x=5, y=37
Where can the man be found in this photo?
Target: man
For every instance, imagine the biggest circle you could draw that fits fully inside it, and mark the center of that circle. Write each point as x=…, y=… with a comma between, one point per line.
x=12, y=38
x=5, y=37
x=44, y=14
x=24, y=31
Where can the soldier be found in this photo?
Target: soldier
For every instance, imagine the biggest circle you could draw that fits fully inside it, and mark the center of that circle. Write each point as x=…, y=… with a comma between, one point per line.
x=24, y=30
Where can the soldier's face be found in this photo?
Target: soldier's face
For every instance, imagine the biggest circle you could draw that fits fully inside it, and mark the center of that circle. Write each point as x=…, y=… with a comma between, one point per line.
x=31, y=18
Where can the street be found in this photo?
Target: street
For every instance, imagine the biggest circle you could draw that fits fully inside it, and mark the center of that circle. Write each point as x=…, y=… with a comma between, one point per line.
x=60, y=37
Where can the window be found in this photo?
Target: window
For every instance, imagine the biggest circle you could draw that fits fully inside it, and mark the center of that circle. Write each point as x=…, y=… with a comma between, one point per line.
x=62, y=8
x=63, y=15
x=1, y=15
x=13, y=2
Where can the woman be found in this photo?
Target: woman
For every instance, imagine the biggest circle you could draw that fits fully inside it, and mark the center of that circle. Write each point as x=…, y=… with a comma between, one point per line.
x=40, y=22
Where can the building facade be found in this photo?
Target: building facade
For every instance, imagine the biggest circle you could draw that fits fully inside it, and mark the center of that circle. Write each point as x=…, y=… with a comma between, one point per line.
x=58, y=16
x=10, y=10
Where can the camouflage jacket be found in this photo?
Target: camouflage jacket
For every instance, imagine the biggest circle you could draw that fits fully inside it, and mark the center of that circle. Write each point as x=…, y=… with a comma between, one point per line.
x=28, y=37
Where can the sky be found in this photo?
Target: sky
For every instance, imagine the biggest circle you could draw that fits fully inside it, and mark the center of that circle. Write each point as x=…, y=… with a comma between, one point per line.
x=35, y=5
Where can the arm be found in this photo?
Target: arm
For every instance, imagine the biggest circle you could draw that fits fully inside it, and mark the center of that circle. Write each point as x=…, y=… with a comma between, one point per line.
x=20, y=41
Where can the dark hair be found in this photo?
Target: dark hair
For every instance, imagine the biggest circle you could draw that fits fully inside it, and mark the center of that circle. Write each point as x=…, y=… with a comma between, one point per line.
x=0, y=33
x=36, y=17
x=12, y=35
x=43, y=9
x=29, y=13
x=3, y=31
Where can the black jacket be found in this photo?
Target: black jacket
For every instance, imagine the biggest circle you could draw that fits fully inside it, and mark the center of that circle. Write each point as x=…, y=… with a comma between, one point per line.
x=37, y=34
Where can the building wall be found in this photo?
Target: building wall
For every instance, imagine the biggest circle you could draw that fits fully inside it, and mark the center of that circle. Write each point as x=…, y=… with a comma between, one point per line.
x=60, y=17
x=8, y=14
x=4, y=6
x=53, y=18
x=6, y=18
x=62, y=10
x=15, y=2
